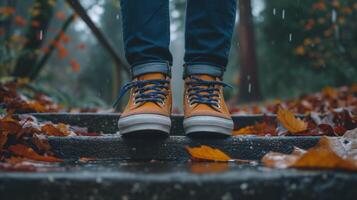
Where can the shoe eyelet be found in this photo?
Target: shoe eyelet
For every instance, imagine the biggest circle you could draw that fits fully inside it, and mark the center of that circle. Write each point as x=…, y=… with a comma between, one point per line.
x=162, y=102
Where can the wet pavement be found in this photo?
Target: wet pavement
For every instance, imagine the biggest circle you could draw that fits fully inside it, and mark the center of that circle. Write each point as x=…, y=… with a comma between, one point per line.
x=143, y=169
x=120, y=179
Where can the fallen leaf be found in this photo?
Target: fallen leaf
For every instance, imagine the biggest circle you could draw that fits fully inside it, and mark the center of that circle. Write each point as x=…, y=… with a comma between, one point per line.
x=3, y=139
x=10, y=125
x=262, y=128
x=27, y=152
x=86, y=159
x=207, y=153
x=290, y=122
x=329, y=153
x=56, y=129
x=41, y=142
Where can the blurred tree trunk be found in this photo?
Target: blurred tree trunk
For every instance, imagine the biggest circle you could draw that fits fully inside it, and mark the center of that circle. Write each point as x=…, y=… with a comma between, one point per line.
x=42, y=12
x=249, y=83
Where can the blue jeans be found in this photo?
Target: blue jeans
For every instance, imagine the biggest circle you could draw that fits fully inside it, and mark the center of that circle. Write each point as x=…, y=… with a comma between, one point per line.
x=209, y=28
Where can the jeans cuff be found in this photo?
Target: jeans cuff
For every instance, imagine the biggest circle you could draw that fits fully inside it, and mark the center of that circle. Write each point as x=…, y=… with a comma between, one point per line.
x=151, y=67
x=203, y=69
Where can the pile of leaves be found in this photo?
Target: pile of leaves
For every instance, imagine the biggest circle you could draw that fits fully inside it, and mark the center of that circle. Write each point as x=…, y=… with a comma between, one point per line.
x=21, y=96
x=327, y=100
x=335, y=123
x=24, y=141
x=329, y=153
x=34, y=101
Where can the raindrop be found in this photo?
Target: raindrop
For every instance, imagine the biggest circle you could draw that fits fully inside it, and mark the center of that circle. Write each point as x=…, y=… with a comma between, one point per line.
x=41, y=34
x=290, y=37
x=249, y=88
x=227, y=196
x=248, y=77
x=51, y=179
x=283, y=14
x=243, y=186
x=98, y=179
x=117, y=17
x=274, y=11
x=333, y=16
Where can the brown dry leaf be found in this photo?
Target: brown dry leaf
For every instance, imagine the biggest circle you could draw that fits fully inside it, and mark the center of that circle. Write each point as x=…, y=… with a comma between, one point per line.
x=27, y=152
x=56, y=129
x=41, y=142
x=280, y=160
x=86, y=159
x=3, y=139
x=330, y=92
x=262, y=128
x=10, y=125
x=207, y=153
x=329, y=153
x=290, y=122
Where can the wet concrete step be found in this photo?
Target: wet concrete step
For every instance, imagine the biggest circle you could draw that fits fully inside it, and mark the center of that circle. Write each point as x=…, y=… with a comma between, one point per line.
x=107, y=122
x=121, y=180
x=159, y=168
x=172, y=148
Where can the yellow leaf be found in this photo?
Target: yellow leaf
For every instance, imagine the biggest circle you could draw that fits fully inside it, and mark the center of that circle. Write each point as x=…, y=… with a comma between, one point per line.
x=207, y=153
x=290, y=122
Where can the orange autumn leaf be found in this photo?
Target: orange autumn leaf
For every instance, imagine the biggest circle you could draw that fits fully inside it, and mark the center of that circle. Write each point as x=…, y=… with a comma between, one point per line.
x=330, y=92
x=60, y=15
x=35, y=24
x=64, y=37
x=329, y=153
x=2, y=31
x=10, y=126
x=81, y=46
x=319, y=6
x=19, y=20
x=261, y=128
x=207, y=153
x=27, y=152
x=3, y=139
x=56, y=129
x=290, y=122
x=7, y=11
x=74, y=65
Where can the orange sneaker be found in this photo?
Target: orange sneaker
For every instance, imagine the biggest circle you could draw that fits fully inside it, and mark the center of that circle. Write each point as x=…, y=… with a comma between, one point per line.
x=149, y=106
x=204, y=106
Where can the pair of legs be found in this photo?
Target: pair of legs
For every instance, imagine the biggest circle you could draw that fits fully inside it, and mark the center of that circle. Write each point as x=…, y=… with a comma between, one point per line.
x=208, y=33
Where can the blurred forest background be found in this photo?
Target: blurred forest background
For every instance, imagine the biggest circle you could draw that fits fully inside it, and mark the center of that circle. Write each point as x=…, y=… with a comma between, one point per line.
x=73, y=50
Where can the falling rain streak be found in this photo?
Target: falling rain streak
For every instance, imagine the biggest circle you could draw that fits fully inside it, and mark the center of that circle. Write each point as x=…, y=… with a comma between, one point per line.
x=41, y=35
x=283, y=14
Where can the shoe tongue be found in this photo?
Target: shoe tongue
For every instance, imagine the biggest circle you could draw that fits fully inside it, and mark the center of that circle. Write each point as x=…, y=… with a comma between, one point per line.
x=152, y=76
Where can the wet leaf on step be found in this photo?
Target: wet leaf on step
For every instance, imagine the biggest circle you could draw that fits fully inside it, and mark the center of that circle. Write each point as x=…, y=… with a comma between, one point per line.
x=206, y=153
x=290, y=122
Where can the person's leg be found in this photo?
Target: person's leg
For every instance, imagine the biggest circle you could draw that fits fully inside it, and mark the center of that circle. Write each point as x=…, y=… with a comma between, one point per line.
x=146, y=30
x=209, y=28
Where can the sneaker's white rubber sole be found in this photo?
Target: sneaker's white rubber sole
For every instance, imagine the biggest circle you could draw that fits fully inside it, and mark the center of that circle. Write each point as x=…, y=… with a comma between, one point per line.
x=199, y=124
x=144, y=122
